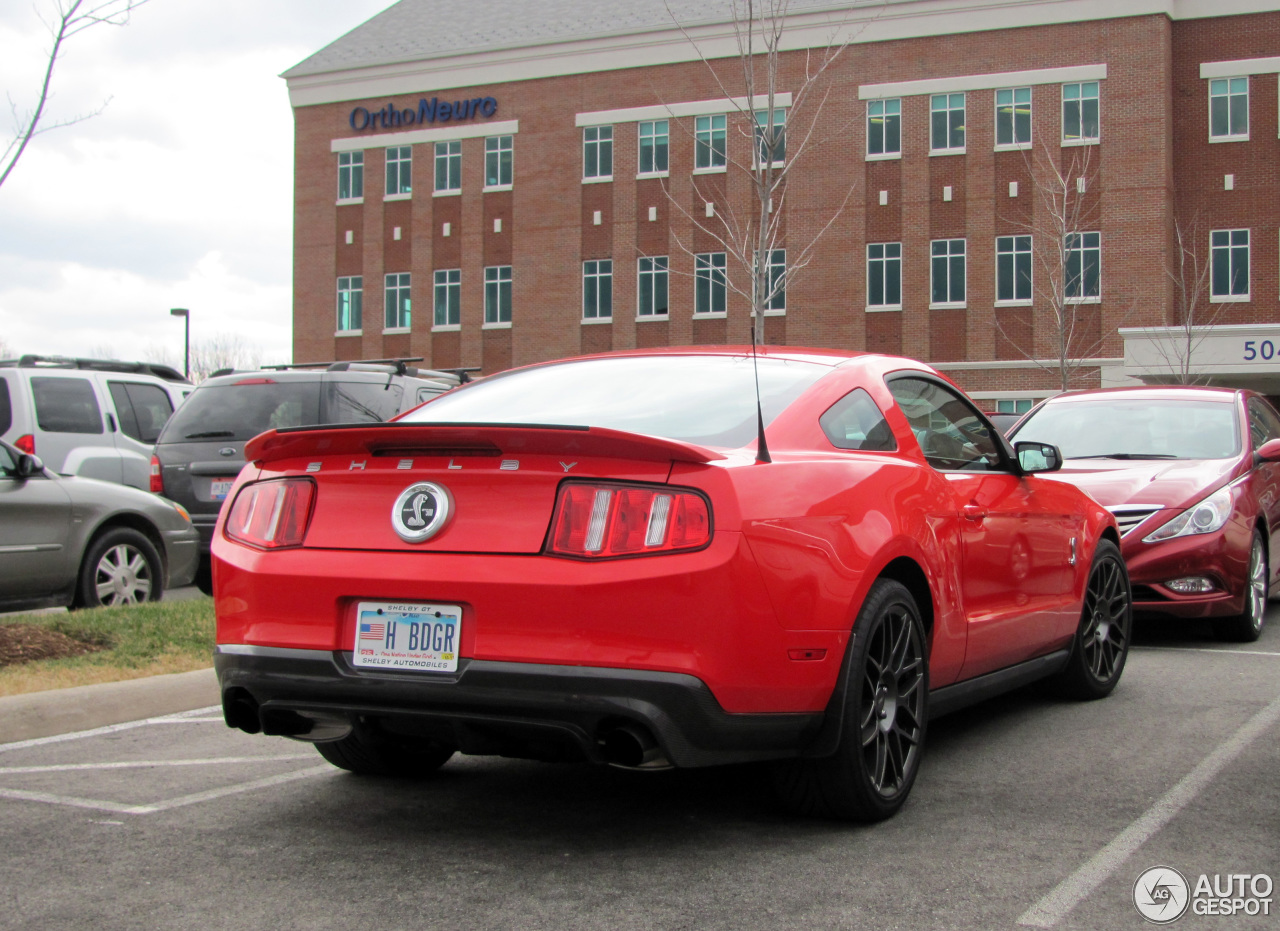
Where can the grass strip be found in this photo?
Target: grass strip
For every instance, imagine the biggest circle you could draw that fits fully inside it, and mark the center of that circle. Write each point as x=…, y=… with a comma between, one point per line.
x=140, y=640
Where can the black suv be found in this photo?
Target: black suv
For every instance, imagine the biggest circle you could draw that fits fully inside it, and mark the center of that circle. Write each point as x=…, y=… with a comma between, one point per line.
x=201, y=449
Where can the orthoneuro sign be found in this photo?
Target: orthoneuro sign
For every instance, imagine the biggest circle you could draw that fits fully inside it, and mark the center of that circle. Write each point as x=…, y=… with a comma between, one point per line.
x=434, y=110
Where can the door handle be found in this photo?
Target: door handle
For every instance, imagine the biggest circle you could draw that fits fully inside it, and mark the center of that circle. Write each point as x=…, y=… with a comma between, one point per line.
x=974, y=511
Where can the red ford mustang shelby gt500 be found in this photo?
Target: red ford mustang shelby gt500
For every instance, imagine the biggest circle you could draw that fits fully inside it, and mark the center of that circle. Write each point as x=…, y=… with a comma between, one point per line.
x=593, y=560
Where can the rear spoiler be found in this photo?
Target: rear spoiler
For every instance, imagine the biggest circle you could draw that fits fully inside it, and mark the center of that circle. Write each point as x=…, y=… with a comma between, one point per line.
x=407, y=440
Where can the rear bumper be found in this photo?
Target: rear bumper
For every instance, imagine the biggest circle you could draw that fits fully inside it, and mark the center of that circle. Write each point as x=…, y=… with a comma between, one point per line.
x=525, y=710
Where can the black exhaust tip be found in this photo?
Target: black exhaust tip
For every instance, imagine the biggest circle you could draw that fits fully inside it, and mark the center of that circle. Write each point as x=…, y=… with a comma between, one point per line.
x=632, y=747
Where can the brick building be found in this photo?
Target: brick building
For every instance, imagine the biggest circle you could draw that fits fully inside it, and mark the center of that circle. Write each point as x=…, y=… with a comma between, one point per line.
x=503, y=183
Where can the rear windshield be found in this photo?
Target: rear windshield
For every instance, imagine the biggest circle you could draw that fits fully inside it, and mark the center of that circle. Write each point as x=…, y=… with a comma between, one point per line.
x=1111, y=428
x=710, y=400
x=242, y=411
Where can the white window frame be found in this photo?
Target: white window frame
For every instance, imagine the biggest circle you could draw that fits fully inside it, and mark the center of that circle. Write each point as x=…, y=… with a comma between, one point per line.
x=1017, y=144
x=648, y=130
x=884, y=116
x=599, y=139
x=710, y=273
x=1229, y=136
x=1230, y=249
x=350, y=300
x=592, y=269
x=705, y=132
x=1080, y=101
x=885, y=261
x=402, y=159
x=1013, y=254
x=1083, y=249
x=446, y=294
x=776, y=306
x=655, y=271
x=448, y=153
x=497, y=297
x=494, y=148
x=779, y=122
x=949, y=109
x=397, y=300
x=351, y=165
x=952, y=261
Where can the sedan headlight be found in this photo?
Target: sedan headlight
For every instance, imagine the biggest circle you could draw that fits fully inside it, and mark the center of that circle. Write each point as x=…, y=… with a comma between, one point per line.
x=1206, y=517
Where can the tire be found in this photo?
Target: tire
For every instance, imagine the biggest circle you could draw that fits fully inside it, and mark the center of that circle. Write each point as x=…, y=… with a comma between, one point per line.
x=870, y=775
x=1101, y=644
x=1246, y=627
x=120, y=567
x=367, y=753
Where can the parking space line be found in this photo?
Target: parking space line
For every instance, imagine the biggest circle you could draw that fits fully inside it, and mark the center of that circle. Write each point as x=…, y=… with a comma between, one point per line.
x=182, y=718
x=1208, y=650
x=1054, y=906
x=71, y=800
x=142, y=764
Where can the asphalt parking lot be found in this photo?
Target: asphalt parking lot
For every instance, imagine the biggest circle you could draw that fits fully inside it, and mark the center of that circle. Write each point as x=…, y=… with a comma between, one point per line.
x=1029, y=812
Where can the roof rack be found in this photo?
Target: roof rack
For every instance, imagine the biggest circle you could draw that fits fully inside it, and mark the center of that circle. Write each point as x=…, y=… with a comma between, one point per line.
x=165, y=372
x=398, y=366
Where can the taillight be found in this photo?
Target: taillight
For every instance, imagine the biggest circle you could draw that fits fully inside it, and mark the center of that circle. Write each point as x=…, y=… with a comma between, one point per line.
x=157, y=480
x=26, y=443
x=600, y=521
x=272, y=514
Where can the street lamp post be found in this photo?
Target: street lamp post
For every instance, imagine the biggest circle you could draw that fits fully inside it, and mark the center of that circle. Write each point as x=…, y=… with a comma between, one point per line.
x=185, y=314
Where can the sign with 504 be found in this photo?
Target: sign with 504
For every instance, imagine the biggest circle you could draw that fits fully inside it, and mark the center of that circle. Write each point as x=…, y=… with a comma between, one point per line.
x=1254, y=350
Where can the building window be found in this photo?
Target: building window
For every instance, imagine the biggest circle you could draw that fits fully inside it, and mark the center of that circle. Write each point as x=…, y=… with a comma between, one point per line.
x=350, y=175
x=710, y=285
x=396, y=292
x=771, y=137
x=399, y=170
x=709, y=142
x=1230, y=275
x=350, y=303
x=497, y=294
x=884, y=275
x=654, y=139
x=652, y=286
x=597, y=289
x=884, y=127
x=1084, y=267
x=448, y=166
x=448, y=297
x=947, y=271
x=1080, y=112
x=497, y=161
x=597, y=152
x=1013, y=117
x=1014, y=405
x=776, y=293
x=946, y=127
x=1229, y=108
x=1013, y=269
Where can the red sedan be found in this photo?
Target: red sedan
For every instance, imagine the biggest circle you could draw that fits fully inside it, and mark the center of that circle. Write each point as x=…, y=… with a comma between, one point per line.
x=654, y=559
x=1193, y=478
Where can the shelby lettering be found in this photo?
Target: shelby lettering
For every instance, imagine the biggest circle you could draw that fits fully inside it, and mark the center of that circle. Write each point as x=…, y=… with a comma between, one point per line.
x=434, y=110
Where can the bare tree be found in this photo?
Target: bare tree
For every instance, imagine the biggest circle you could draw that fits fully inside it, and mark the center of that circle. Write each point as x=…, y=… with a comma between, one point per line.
x=209, y=354
x=6, y=352
x=778, y=138
x=66, y=20
x=1193, y=315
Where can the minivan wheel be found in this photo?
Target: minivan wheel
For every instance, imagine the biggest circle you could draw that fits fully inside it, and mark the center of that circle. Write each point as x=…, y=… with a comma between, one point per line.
x=120, y=567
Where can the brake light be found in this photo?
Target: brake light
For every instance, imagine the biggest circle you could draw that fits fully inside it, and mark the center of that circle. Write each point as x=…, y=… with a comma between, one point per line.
x=157, y=480
x=601, y=521
x=26, y=443
x=272, y=514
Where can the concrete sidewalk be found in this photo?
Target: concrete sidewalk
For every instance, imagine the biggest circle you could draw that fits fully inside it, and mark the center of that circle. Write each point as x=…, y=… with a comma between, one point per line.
x=62, y=711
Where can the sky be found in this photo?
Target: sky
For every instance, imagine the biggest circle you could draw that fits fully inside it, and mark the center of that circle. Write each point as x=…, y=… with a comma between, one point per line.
x=178, y=195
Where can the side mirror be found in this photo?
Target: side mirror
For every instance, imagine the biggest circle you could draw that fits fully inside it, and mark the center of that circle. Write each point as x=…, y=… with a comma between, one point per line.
x=29, y=466
x=1038, y=457
x=1269, y=451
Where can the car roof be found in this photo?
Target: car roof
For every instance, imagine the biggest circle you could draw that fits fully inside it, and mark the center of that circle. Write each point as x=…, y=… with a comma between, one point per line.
x=1152, y=393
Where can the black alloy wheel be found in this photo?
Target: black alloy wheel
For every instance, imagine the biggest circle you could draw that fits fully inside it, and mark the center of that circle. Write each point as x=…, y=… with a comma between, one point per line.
x=886, y=698
x=1246, y=627
x=1101, y=644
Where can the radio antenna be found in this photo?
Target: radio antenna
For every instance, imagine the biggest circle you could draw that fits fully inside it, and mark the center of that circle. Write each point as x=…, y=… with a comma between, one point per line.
x=762, y=448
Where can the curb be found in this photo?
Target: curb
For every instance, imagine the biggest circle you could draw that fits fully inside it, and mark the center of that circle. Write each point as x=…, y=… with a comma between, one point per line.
x=84, y=707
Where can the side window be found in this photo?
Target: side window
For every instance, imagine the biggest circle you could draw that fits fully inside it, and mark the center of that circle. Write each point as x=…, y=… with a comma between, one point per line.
x=7, y=466
x=66, y=405
x=951, y=433
x=6, y=407
x=1264, y=424
x=124, y=409
x=361, y=401
x=151, y=409
x=855, y=422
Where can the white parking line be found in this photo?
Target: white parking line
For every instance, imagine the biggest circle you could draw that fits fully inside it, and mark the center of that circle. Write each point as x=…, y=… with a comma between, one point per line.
x=1209, y=650
x=1067, y=895
x=181, y=718
x=142, y=764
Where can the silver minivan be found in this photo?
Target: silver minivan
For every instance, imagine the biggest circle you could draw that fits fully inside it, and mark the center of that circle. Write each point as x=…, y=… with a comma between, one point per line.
x=92, y=417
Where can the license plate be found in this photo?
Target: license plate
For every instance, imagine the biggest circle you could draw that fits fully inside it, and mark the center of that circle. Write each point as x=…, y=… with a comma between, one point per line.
x=393, y=635
x=219, y=488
